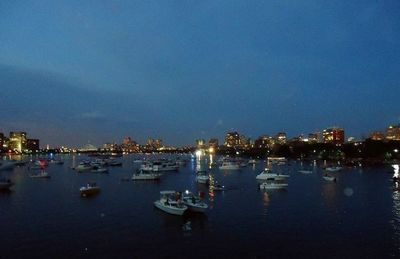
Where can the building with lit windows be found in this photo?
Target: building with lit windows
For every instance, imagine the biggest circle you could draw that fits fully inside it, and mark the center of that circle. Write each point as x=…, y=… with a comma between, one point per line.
x=17, y=141
x=377, y=135
x=232, y=139
x=2, y=140
x=333, y=135
x=263, y=141
x=281, y=138
x=32, y=145
x=200, y=143
x=129, y=145
x=393, y=132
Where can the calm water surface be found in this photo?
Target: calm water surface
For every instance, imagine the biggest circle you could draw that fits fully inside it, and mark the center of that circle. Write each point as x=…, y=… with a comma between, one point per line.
x=357, y=217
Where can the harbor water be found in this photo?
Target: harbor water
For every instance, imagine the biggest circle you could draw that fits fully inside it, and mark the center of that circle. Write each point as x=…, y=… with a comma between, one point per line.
x=358, y=216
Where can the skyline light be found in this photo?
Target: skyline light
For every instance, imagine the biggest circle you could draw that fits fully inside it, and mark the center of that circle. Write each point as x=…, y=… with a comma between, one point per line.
x=73, y=71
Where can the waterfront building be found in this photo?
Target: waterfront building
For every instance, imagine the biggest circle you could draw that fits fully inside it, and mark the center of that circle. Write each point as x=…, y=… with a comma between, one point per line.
x=281, y=138
x=232, y=139
x=263, y=141
x=33, y=145
x=214, y=143
x=17, y=141
x=200, y=143
x=130, y=146
x=393, y=132
x=154, y=144
x=334, y=135
x=2, y=140
x=377, y=135
x=315, y=137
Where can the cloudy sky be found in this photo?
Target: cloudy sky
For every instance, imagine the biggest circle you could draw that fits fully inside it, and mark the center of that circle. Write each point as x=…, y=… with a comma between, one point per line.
x=73, y=72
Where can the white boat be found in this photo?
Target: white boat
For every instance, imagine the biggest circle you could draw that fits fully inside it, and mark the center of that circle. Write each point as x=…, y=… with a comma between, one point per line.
x=42, y=174
x=305, y=171
x=164, y=166
x=5, y=184
x=99, y=169
x=252, y=161
x=145, y=175
x=170, y=202
x=89, y=189
x=333, y=169
x=272, y=185
x=193, y=202
x=266, y=174
x=83, y=166
x=329, y=178
x=202, y=177
x=229, y=165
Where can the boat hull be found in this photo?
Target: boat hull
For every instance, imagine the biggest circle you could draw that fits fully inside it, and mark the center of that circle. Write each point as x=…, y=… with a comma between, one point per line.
x=89, y=192
x=169, y=209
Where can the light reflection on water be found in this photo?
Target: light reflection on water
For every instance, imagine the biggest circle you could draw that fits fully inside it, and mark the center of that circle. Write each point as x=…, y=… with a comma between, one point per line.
x=396, y=215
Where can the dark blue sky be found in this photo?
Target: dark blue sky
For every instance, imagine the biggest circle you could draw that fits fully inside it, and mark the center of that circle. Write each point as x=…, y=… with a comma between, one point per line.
x=79, y=71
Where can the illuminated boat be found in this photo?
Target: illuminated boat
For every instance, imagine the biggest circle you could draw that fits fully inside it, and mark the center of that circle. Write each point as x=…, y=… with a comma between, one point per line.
x=89, y=189
x=83, y=166
x=193, y=202
x=170, y=202
x=329, y=178
x=333, y=169
x=305, y=171
x=145, y=175
x=273, y=185
x=229, y=165
x=202, y=176
x=267, y=174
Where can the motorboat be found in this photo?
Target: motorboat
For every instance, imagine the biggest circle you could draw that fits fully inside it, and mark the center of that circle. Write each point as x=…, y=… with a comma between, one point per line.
x=170, y=202
x=252, y=162
x=145, y=175
x=267, y=174
x=229, y=165
x=5, y=184
x=163, y=166
x=89, y=189
x=329, y=178
x=113, y=162
x=193, y=202
x=202, y=177
x=99, y=169
x=56, y=162
x=273, y=185
x=42, y=174
x=305, y=171
x=83, y=166
x=333, y=169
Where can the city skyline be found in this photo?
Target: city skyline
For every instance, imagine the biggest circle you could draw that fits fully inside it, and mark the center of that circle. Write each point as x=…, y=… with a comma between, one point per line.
x=73, y=72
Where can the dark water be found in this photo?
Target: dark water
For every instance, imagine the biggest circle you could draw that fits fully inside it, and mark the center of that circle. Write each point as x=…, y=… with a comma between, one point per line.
x=357, y=217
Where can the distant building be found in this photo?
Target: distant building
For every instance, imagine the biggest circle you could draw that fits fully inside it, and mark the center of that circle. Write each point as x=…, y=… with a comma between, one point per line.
x=17, y=141
x=32, y=144
x=200, y=143
x=333, y=135
x=214, y=143
x=377, y=135
x=393, y=132
x=281, y=138
x=232, y=139
x=263, y=141
x=129, y=145
x=2, y=140
x=88, y=148
x=315, y=137
x=154, y=144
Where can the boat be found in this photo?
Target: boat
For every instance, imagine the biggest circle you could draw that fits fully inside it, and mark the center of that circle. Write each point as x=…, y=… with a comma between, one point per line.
x=267, y=174
x=329, y=178
x=89, y=189
x=99, y=169
x=113, y=162
x=218, y=187
x=229, y=165
x=273, y=185
x=56, y=162
x=305, y=171
x=145, y=175
x=42, y=174
x=83, y=166
x=5, y=184
x=202, y=176
x=252, y=162
x=333, y=169
x=193, y=202
x=170, y=202
x=164, y=166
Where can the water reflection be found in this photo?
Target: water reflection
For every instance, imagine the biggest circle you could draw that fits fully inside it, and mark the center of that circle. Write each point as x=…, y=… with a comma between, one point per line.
x=396, y=216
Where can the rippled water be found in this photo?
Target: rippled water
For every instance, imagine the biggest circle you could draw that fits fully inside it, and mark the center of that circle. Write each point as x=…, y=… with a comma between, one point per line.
x=357, y=217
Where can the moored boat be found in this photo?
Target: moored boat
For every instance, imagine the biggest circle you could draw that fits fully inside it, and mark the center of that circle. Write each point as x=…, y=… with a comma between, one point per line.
x=333, y=169
x=89, y=189
x=42, y=174
x=229, y=165
x=202, y=176
x=267, y=174
x=193, y=202
x=305, y=171
x=329, y=178
x=170, y=202
x=272, y=185
x=145, y=175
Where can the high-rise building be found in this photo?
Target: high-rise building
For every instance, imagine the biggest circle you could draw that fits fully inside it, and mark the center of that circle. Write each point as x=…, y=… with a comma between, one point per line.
x=154, y=143
x=232, y=139
x=17, y=141
x=214, y=143
x=315, y=137
x=200, y=143
x=129, y=145
x=263, y=141
x=333, y=135
x=377, y=135
x=393, y=132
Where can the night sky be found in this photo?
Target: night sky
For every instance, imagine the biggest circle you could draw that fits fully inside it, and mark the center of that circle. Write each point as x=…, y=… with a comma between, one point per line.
x=73, y=72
